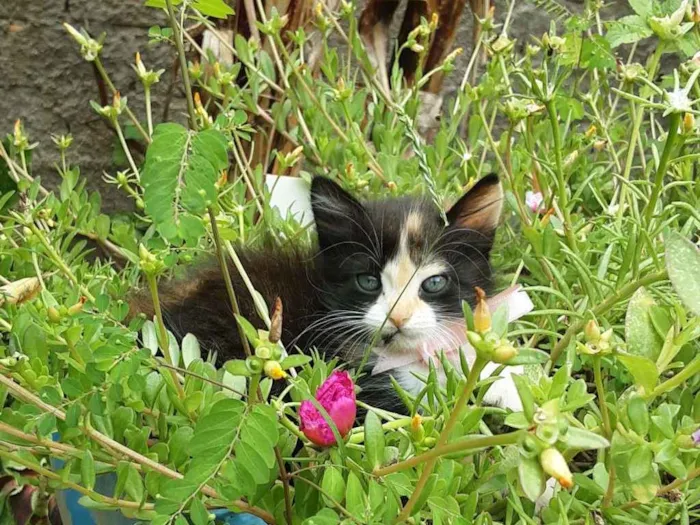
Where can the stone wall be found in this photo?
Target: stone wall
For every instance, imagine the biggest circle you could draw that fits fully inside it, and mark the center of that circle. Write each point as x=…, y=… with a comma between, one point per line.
x=45, y=82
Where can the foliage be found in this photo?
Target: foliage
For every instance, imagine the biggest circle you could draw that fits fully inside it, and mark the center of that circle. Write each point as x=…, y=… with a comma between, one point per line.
x=611, y=261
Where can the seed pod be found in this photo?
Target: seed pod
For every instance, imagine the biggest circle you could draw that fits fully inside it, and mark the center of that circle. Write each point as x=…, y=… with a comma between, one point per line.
x=276, y=321
x=254, y=364
x=591, y=331
x=54, y=315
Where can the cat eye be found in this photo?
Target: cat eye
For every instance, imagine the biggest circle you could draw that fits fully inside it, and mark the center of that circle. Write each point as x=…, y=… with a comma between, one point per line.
x=368, y=282
x=434, y=284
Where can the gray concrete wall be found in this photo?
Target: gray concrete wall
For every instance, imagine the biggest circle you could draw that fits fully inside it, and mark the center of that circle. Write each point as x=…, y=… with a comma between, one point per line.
x=45, y=82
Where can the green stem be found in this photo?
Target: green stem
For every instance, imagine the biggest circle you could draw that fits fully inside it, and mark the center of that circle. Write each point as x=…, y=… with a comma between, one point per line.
x=689, y=371
x=177, y=36
x=227, y=278
x=163, y=340
x=607, y=428
x=103, y=73
x=561, y=180
x=149, y=115
x=636, y=125
x=461, y=445
x=58, y=261
x=623, y=293
x=663, y=165
x=253, y=390
x=472, y=379
x=124, y=146
x=95, y=496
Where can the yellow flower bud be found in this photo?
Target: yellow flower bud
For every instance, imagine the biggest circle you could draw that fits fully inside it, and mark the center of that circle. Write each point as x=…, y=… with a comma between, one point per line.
x=482, y=315
x=591, y=331
x=274, y=370
x=554, y=464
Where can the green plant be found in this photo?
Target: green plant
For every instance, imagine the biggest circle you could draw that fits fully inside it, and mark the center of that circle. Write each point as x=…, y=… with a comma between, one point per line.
x=611, y=262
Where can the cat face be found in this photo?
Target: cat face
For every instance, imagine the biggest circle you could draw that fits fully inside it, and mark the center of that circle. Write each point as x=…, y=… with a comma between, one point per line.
x=394, y=269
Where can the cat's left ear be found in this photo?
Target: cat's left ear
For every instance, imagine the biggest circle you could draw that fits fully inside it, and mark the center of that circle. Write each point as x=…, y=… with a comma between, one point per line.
x=480, y=208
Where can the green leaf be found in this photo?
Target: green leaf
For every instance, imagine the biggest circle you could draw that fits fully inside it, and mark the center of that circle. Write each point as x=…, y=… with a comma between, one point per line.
x=642, y=369
x=333, y=486
x=237, y=367
x=355, y=497
x=526, y=397
x=87, y=470
x=643, y=8
x=294, y=361
x=641, y=336
x=529, y=356
x=199, y=513
x=683, y=264
x=134, y=484
x=180, y=172
x=374, y=440
x=324, y=517
x=638, y=415
x=628, y=30
x=214, y=8
x=531, y=478
x=584, y=439
x=190, y=349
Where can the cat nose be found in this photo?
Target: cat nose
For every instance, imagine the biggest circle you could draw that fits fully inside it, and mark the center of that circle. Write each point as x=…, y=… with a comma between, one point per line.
x=398, y=320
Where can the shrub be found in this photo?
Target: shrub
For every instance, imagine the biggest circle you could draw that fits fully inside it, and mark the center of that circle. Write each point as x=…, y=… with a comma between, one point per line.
x=599, y=157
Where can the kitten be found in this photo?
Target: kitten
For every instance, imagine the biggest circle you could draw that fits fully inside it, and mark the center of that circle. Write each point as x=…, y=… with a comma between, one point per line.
x=390, y=268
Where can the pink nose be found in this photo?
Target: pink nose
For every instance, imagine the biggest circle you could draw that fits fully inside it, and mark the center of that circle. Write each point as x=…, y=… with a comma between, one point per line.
x=398, y=321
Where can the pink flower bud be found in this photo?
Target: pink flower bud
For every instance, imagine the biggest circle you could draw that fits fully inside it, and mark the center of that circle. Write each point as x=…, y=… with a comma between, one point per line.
x=696, y=437
x=337, y=396
x=534, y=200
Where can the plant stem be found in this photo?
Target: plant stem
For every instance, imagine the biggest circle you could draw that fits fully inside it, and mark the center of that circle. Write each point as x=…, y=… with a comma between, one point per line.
x=122, y=141
x=58, y=261
x=461, y=445
x=113, y=89
x=177, y=36
x=227, y=278
x=666, y=488
x=561, y=181
x=636, y=125
x=607, y=429
x=117, y=450
x=95, y=496
x=288, y=513
x=466, y=394
x=663, y=164
x=149, y=115
x=163, y=339
x=623, y=293
x=689, y=371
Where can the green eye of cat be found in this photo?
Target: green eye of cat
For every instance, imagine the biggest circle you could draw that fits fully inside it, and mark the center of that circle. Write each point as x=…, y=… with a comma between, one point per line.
x=434, y=284
x=368, y=282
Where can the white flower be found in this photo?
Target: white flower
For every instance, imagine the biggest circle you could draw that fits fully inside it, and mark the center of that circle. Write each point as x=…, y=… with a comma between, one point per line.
x=678, y=100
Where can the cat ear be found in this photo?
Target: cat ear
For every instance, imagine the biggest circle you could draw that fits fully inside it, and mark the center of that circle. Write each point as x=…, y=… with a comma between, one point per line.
x=480, y=208
x=336, y=212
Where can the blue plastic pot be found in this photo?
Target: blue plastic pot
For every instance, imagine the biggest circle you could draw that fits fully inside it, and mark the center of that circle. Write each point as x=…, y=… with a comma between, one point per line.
x=73, y=513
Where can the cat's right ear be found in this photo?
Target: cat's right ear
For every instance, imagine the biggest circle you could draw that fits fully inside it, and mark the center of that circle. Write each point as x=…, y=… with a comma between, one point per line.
x=336, y=212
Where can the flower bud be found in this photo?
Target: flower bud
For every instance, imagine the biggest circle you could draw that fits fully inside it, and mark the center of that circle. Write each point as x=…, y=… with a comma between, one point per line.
x=263, y=351
x=337, y=396
x=77, y=307
x=53, y=314
x=274, y=370
x=554, y=464
x=688, y=123
x=504, y=353
x=254, y=364
x=591, y=331
x=482, y=315
x=417, y=429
